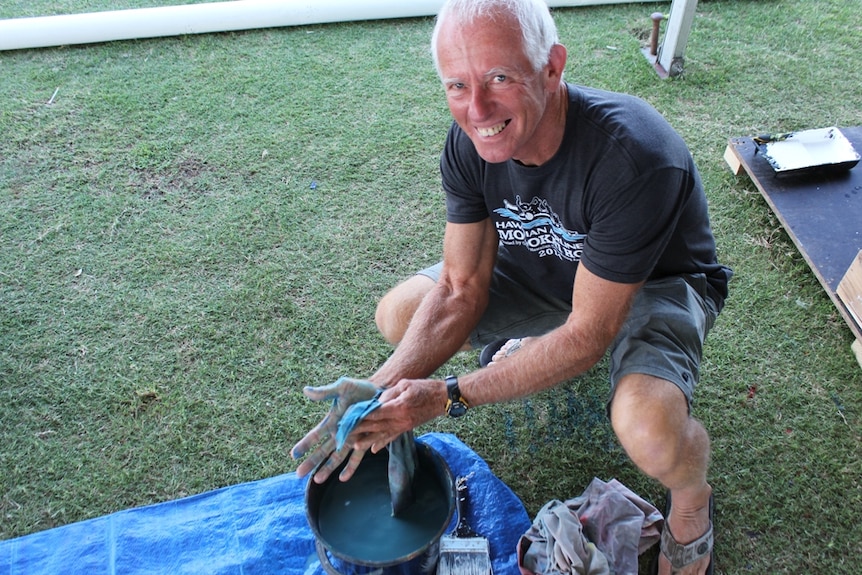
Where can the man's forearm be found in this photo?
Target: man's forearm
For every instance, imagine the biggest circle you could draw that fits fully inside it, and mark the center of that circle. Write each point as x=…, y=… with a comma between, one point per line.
x=544, y=362
x=599, y=310
x=438, y=329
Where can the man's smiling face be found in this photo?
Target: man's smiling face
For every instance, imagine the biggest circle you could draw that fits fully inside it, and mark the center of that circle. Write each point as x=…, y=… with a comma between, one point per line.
x=493, y=92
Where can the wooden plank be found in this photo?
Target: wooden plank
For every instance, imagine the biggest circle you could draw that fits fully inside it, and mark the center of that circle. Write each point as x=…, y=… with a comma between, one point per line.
x=821, y=213
x=733, y=162
x=850, y=289
x=850, y=292
x=857, y=350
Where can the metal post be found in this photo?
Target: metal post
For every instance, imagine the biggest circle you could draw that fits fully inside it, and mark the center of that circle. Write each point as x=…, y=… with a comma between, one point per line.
x=657, y=17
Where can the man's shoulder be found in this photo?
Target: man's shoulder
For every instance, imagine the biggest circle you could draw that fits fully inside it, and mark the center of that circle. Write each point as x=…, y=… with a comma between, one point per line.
x=598, y=96
x=626, y=123
x=614, y=111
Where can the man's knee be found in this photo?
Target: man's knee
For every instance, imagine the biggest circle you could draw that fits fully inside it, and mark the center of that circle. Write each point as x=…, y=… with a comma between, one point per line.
x=649, y=416
x=396, y=308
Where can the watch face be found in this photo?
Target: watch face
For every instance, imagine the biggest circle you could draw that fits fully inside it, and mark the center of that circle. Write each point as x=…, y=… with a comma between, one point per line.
x=457, y=409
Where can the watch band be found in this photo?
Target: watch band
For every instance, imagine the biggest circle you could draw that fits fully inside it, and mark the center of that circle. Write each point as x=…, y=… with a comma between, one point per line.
x=456, y=406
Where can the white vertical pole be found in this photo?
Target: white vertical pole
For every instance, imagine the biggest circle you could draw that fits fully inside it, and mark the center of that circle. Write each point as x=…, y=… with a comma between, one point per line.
x=670, y=53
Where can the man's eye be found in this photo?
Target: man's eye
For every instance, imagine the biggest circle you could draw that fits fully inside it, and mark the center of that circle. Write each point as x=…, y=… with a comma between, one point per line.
x=500, y=78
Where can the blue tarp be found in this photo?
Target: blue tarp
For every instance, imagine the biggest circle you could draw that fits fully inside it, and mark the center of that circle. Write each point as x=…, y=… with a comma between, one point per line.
x=252, y=528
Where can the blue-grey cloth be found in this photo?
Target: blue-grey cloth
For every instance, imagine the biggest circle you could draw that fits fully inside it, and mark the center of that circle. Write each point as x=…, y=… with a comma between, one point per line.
x=402, y=468
x=354, y=414
x=402, y=453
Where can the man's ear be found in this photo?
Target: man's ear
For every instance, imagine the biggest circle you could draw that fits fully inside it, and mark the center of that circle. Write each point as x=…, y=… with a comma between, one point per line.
x=556, y=65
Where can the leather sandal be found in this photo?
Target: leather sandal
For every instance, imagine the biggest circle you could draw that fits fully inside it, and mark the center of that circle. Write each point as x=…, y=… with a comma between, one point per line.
x=680, y=555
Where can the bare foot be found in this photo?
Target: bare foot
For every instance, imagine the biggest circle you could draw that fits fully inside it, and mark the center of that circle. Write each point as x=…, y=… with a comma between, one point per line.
x=508, y=349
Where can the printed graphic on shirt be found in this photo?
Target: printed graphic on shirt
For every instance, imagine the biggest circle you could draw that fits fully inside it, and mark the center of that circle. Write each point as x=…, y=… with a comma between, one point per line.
x=535, y=226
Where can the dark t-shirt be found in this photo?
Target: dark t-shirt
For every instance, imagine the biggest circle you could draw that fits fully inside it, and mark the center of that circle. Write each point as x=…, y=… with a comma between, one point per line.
x=622, y=196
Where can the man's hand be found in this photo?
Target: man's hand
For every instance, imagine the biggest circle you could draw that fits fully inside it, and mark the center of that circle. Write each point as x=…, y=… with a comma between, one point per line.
x=343, y=393
x=404, y=407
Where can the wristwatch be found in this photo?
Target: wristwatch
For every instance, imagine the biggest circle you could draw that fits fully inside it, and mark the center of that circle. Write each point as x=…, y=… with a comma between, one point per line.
x=456, y=406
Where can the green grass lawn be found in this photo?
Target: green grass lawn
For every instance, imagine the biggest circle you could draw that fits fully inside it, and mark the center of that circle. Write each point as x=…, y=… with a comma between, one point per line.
x=197, y=227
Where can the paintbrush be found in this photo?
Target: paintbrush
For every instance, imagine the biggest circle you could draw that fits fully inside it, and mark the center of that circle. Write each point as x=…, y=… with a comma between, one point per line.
x=463, y=552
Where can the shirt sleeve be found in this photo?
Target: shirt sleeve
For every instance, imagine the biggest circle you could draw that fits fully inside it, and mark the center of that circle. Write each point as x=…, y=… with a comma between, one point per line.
x=461, y=169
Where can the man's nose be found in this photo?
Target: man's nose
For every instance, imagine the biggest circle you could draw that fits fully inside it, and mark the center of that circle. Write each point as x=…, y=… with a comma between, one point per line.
x=480, y=103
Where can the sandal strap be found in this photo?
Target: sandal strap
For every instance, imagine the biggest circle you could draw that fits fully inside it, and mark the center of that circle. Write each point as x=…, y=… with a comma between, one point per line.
x=681, y=555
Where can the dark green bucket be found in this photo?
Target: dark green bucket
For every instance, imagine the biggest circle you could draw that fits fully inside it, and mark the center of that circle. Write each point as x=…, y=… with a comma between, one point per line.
x=355, y=532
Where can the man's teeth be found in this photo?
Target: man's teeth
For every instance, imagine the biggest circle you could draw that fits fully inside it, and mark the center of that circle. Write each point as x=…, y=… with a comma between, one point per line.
x=492, y=131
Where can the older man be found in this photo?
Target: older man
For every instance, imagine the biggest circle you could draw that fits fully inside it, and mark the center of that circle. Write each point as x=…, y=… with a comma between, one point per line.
x=576, y=225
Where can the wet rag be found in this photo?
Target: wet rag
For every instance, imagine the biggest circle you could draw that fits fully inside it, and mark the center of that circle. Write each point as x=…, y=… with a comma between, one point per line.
x=354, y=414
x=402, y=453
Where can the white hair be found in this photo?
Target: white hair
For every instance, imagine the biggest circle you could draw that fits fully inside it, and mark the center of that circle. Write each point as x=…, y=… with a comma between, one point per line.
x=538, y=30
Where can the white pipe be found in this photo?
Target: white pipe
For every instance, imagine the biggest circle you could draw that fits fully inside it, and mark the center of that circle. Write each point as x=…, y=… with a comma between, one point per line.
x=43, y=31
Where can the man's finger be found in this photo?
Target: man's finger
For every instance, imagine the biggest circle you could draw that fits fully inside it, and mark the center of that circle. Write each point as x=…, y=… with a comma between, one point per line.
x=316, y=457
x=365, y=439
x=344, y=388
x=331, y=464
x=352, y=464
x=380, y=443
x=303, y=445
x=321, y=432
x=328, y=391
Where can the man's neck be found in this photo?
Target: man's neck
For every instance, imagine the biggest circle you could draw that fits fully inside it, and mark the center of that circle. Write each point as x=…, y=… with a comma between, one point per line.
x=552, y=128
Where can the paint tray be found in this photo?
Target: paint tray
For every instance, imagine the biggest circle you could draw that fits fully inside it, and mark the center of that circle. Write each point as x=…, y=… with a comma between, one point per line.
x=823, y=150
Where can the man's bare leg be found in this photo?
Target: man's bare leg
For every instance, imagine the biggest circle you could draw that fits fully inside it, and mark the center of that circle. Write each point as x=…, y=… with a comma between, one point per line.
x=396, y=308
x=650, y=416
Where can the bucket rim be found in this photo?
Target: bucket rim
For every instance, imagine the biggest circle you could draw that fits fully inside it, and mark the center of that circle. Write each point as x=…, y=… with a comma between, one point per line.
x=447, y=483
